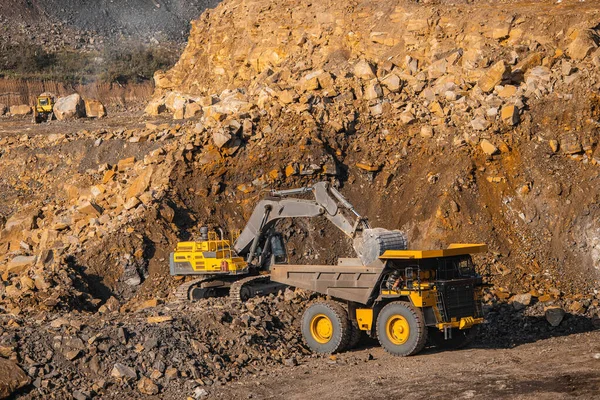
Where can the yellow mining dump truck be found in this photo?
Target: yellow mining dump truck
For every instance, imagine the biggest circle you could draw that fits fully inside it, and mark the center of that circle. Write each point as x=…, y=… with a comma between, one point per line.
x=402, y=298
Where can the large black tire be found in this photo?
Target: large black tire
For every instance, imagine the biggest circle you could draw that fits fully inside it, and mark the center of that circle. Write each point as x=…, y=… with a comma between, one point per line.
x=401, y=329
x=460, y=338
x=355, y=335
x=326, y=328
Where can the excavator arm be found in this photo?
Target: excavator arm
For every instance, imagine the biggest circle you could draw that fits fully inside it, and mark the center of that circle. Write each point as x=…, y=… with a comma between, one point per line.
x=327, y=202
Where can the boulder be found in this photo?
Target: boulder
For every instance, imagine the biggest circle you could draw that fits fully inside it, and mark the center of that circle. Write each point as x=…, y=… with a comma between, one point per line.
x=310, y=82
x=21, y=110
x=12, y=378
x=554, y=315
x=583, y=45
x=155, y=107
x=20, y=263
x=392, y=82
x=94, y=109
x=570, y=144
x=140, y=184
x=192, y=109
x=3, y=109
x=147, y=387
x=510, y=114
x=520, y=301
x=70, y=107
x=221, y=138
x=480, y=124
x=122, y=371
x=373, y=90
x=162, y=81
x=364, y=70
x=493, y=76
x=488, y=148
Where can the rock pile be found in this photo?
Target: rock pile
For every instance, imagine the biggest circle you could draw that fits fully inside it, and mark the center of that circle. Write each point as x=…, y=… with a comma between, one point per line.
x=160, y=349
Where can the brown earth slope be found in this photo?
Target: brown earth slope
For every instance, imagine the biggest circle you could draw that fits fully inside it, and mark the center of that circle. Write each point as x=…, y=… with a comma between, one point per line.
x=480, y=121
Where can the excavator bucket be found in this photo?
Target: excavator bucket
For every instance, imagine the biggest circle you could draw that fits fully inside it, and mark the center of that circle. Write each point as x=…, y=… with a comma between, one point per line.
x=372, y=243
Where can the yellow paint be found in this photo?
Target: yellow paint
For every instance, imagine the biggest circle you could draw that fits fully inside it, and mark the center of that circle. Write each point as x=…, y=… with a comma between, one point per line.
x=466, y=323
x=455, y=249
x=321, y=328
x=397, y=329
x=364, y=317
x=44, y=104
x=211, y=256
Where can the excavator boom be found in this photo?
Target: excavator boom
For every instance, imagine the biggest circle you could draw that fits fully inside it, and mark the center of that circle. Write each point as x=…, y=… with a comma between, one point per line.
x=268, y=211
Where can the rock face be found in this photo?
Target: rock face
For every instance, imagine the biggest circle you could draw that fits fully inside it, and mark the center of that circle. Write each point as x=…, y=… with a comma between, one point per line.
x=12, y=378
x=70, y=107
x=94, y=109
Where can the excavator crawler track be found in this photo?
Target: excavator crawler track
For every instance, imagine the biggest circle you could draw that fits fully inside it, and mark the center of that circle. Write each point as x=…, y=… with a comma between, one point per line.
x=183, y=292
x=252, y=286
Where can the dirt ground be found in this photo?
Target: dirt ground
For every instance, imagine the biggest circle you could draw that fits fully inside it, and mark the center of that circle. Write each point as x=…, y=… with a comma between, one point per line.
x=557, y=368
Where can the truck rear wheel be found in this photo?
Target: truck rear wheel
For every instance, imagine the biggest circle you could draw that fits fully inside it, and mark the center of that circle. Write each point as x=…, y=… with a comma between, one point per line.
x=326, y=328
x=401, y=329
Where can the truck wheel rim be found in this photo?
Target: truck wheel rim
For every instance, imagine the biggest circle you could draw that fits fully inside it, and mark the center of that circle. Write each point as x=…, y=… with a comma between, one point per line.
x=321, y=328
x=397, y=329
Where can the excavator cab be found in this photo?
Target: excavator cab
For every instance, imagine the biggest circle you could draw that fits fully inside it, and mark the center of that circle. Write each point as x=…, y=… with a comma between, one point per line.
x=274, y=253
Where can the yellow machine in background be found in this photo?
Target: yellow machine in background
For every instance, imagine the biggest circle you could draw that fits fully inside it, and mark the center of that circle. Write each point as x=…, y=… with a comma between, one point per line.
x=43, y=110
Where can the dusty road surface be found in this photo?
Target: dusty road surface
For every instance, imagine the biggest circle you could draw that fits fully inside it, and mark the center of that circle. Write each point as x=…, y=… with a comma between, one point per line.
x=564, y=367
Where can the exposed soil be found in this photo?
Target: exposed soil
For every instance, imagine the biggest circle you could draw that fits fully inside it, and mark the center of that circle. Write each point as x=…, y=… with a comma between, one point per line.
x=557, y=368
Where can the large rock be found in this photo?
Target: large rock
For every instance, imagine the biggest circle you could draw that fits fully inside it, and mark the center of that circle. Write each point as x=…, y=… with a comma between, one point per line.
x=364, y=70
x=122, y=371
x=12, y=378
x=70, y=107
x=20, y=264
x=156, y=107
x=373, y=90
x=23, y=109
x=554, y=315
x=3, y=109
x=583, y=45
x=488, y=148
x=221, y=138
x=140, y=184
x=493, y=76
x=162, y=81
x=94, y=109
x=520, y=301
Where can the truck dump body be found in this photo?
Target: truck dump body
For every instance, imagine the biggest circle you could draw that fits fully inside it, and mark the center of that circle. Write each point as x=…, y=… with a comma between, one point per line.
x=349, y=281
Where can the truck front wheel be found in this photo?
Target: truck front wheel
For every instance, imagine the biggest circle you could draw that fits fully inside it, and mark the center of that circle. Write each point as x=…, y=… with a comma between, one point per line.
x=401, y=329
